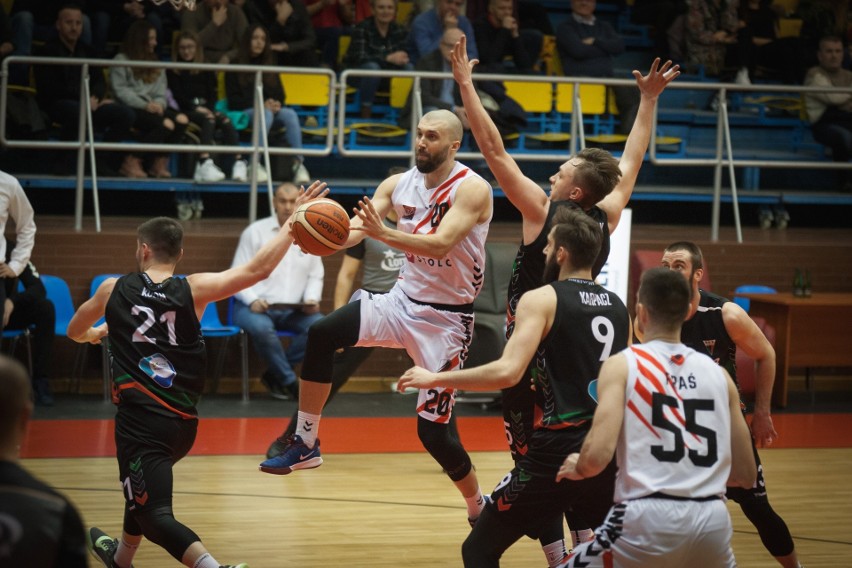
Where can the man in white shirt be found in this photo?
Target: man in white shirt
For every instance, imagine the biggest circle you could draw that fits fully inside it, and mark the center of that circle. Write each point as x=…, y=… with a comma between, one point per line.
x=14, y=204
x=286, y=301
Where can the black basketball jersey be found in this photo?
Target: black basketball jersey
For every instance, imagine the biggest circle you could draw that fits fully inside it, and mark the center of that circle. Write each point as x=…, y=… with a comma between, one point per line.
x=705, y=332
x=590, y=324
x=38, y=526
x=527, y=274
x=157, y=353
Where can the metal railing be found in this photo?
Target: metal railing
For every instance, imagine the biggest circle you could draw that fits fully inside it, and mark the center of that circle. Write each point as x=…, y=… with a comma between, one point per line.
x=335, y=138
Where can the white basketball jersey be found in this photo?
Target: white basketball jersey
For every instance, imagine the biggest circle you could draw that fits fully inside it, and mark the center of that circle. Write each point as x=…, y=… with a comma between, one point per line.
x=456, y=278
x=676, y=434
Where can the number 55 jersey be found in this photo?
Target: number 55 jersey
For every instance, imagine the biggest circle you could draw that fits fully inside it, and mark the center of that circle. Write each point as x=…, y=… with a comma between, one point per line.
x=676, y=437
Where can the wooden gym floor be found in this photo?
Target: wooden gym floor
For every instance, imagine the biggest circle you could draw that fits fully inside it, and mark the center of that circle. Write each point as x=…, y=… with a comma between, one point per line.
x=380, y=500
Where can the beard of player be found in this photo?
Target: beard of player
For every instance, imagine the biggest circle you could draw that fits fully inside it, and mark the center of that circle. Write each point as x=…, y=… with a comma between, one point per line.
x=426, y=163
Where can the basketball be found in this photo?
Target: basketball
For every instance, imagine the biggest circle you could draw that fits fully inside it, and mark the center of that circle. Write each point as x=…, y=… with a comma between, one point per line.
x=321, y=227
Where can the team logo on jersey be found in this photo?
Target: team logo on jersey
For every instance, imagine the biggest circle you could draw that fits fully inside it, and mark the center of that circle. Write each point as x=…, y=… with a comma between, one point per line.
x=709, y=345
x=408, y=211
x=593, y=390
x=159, y=369
x=393, y=261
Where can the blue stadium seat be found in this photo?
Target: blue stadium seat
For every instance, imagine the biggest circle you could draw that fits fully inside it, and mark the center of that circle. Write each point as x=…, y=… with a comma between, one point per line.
x=745, y=303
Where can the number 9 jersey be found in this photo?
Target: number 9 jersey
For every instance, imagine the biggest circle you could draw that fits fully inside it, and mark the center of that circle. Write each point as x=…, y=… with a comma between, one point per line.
x=676, y=436
x=157, y=353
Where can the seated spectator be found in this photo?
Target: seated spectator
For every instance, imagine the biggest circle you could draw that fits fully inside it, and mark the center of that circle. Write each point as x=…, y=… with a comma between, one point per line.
x=33, y=20
x=58, y=92
x=220, y=26
x=292, y=38
x=711, y=40
x=31, y=309
x=428, y=28
x=587, y=46
x=287, y=300
x=762, y=47
x=194, y=91
x=330, y=18
x=255, y=50
x=378, y=43
x=110, y=18
x=444, y=93
x=47, y=529
x=6, y=46
x=144, y=90
x=502, y=45
x=830, y=113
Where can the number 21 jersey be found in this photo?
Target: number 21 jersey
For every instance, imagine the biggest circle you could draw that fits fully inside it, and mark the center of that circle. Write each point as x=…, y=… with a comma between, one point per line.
x=157, y=352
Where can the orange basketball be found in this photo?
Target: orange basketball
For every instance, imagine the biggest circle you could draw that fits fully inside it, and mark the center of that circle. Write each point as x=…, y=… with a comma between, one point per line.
x=321, y=227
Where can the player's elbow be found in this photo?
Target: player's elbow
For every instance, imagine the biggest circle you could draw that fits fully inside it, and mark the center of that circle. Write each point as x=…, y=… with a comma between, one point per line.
x=743, y=475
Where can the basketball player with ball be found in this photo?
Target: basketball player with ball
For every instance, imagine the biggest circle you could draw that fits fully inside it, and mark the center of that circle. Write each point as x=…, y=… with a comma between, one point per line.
x=444, y=210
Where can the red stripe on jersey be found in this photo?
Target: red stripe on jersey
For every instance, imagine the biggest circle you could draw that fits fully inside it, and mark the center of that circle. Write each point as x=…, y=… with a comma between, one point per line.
x=451, y=181
x=633, y=408
x=158, y=400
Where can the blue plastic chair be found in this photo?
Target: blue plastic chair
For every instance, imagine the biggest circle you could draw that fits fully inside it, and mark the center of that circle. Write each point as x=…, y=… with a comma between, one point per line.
x=59, y=293
x=745, y=303
x=212, y=326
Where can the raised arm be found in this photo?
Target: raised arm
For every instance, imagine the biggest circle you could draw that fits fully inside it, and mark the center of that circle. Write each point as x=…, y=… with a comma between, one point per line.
x=526, y=195
x=213, y=286
x=650, y=87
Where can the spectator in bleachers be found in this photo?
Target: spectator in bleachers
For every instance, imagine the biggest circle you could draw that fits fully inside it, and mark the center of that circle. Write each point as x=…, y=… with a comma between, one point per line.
x=33, y=20
x=780, y=57
x=194, y=91
x=830, y=114
x=58, y=91
x=444, y=93
x=111, y=17
x=220, y=26
x=378, y=43
x=330, y=18
x=660, y=15
x=587, y=46
x=428, y=28
x=711, y=39
x=144, y=90
x=503, y=46
x=292, y=38
x=6, y=46
x=239, y=87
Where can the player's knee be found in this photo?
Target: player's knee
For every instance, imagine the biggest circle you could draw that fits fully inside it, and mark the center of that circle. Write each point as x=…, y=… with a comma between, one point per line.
x=770, y=526
x=160, y=527
x=444, y=448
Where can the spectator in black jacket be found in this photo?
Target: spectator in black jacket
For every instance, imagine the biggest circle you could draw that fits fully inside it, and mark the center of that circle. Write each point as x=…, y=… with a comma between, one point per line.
x=587, y=46
x=503, y=45
x=58, y=87
x=30, y=308
x=194, y=91
x=292, y=37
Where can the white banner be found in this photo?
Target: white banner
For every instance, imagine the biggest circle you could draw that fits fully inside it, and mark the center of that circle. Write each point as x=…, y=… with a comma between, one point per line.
x=614, y=274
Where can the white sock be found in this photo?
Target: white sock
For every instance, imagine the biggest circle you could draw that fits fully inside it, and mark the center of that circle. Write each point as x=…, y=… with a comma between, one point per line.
x=124, y=554
x=206, y=561
x=307, y=427
x=475, y=504
x=554, y=552
x=581, y=536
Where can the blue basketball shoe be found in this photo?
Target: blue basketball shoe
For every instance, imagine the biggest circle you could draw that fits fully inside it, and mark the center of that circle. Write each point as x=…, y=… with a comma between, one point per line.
x=294, y=455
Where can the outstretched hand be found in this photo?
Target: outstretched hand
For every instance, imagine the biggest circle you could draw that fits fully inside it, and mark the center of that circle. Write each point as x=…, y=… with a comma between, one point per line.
x=568, y=469
x=97, y=333
x=652, y=84
x=462, y=66
x=371, y=221
x=416, y=377
x=314, y=191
